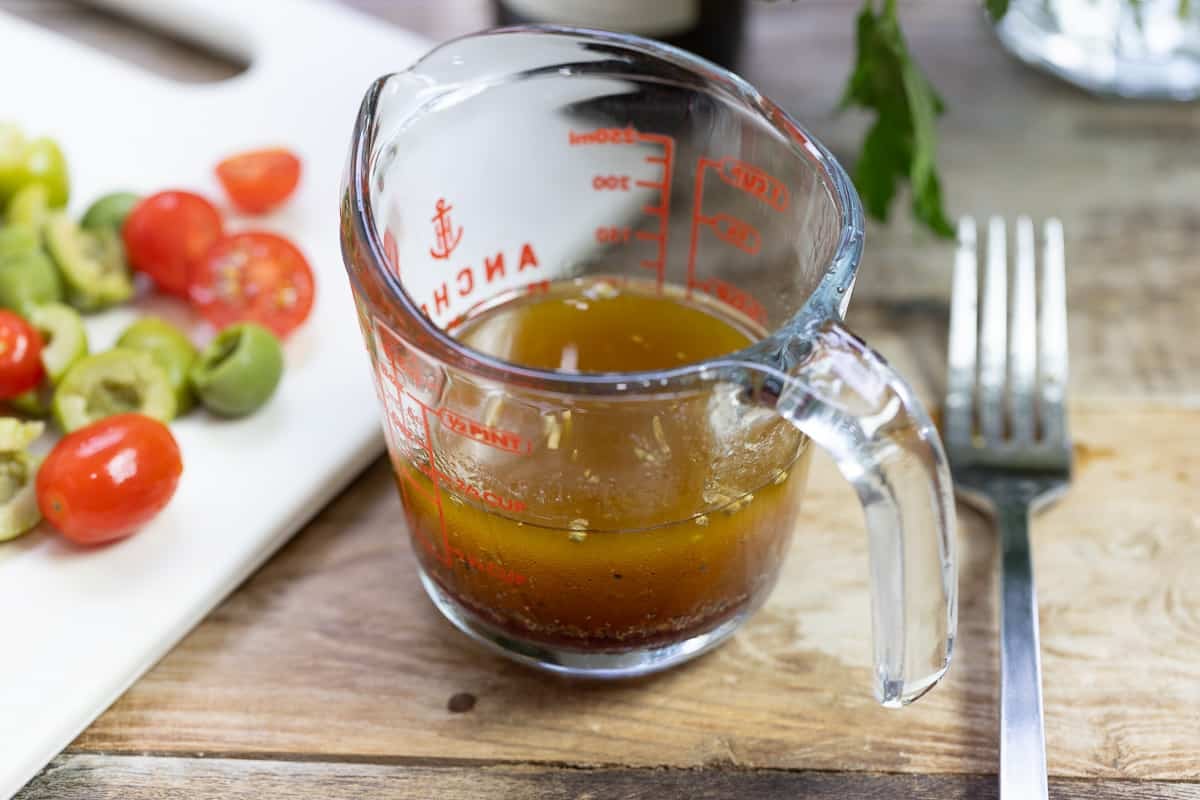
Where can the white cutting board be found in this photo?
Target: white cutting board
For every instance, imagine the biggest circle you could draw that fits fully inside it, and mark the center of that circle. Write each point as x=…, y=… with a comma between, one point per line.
x=78, y=627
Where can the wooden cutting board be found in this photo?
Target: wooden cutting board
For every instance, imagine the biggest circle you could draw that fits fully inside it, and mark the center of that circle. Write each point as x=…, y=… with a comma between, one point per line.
x=334, y=650
x=80, y=626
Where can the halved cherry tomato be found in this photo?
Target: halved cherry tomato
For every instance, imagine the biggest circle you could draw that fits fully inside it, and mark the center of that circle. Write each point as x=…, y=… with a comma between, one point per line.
x=260, y=180
x=254, y=277
x=167, y=233
x=20, y=356
x=106, y=480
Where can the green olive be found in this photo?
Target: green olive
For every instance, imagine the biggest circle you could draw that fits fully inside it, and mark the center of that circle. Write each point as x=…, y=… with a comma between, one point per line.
x=19, y=512
x=239, y=371
x=64, y=339
x=29, y=281
x=110, y=210
x=17, y=240
x=114, y=382
x=92, y=263
x=171, y=348
x=29, y=207
x=18, y=496
x=45, y=164
x=12, y=160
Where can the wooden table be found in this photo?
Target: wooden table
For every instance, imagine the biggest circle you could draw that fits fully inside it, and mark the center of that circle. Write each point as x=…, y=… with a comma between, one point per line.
x=330, y=675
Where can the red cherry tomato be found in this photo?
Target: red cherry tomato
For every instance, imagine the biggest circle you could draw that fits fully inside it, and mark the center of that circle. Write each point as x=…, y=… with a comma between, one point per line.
x=20, y=356
x=260, y=180
x=169, y=232
x=254, y=277
x=104, y=481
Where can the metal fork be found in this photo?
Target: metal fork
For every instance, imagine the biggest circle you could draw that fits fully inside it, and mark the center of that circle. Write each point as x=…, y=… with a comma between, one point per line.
x=1010, y=453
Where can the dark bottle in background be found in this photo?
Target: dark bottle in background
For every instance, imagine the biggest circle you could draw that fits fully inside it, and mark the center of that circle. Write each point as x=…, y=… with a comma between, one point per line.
x=712, y=29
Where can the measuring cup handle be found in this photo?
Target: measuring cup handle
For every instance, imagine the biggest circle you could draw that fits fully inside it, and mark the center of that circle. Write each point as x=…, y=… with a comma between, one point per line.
x=845, y=397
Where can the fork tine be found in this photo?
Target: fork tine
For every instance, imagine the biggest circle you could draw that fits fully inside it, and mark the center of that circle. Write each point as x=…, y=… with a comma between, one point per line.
x=964, y=333
x=1023, y=342
x=993, y=355
x=1053, y=345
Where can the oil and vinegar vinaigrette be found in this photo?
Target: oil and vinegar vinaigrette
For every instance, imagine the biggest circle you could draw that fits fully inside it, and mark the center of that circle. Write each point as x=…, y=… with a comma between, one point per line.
x=605, y=523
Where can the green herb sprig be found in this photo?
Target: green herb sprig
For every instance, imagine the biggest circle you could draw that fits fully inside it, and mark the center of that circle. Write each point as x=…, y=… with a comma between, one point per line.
x=902, y=142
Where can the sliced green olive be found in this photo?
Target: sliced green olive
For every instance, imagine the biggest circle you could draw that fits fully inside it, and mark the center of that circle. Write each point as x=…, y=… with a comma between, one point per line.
x=28, y=281
x=110, y=210
x=239, y=371
x=16, y=434
x=64, y=339
x=114, y=382
x=12, y=160
x=19, y=512
x=30, y=206
x=17, y=240
x=45, y=164
x=171, y=348
x=92, y=263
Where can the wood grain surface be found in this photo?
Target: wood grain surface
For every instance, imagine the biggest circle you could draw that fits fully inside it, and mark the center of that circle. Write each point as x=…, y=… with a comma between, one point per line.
x=87, y=777
x=329, y=674
x=332, y=648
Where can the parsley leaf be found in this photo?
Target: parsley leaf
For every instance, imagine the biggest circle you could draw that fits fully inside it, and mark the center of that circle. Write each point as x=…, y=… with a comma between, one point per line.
x=997, y=9
x=902, y=142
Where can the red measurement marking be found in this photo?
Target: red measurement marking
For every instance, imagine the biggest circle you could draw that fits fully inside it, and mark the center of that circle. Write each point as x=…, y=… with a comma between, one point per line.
x=493, y=569
x=484, y=496
x=429, y=455
x=753, y=181
x=409, y=486
x=604, y=183
x=449, y=553
x=401, y=365
x=410, y=442
x=626, y=135
x=609, y=234
x=447, y=237
x=493, y=437
x=728, y=228
x=697, y=205
x=391, y=252
x=611, y=183
x=734, y=297
x=737, y=232
x=662, y=211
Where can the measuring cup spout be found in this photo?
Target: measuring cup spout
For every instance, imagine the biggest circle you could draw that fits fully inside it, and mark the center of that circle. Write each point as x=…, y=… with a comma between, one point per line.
x=845, y=397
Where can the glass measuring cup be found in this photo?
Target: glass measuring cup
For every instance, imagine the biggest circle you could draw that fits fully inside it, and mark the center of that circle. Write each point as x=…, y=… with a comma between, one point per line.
x=616, y=523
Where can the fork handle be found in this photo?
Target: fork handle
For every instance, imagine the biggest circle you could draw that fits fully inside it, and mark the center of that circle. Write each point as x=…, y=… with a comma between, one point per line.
x=1022, y=736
